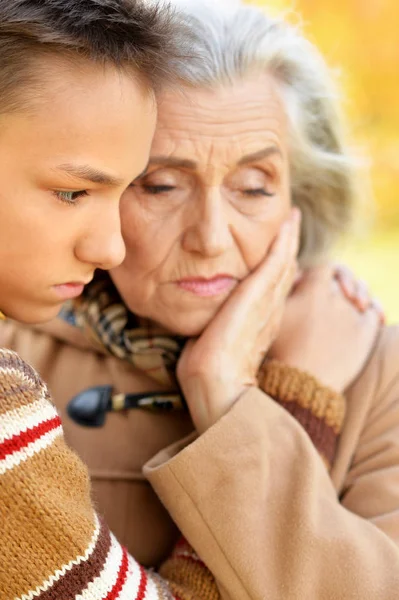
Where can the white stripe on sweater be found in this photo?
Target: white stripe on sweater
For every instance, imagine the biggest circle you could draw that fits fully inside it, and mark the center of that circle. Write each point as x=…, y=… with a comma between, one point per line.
x=16, y=458
x=61, y=572
x=151, y=592
x=131, y=587
x=22, y=418
x=102, y=585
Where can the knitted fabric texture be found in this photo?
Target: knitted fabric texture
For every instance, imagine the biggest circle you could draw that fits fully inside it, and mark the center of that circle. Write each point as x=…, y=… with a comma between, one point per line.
x=54, y=546
x=197, y=581
x=319, y=409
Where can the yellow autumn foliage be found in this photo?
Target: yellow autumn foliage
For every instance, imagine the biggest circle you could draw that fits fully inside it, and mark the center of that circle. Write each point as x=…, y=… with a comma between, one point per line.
x=360, y=38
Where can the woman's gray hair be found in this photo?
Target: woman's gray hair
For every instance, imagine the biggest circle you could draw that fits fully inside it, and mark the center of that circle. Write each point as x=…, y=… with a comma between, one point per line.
x=235, y=40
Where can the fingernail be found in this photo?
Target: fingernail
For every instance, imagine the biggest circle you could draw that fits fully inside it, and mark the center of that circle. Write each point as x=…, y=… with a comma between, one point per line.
x=298, y=277
x=295, y=214
x=287, y=225
x=378, y=307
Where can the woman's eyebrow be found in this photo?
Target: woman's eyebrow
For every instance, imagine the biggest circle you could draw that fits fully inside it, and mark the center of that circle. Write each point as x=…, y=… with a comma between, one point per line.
x=264, y=153
x=175, y=161
x=172, y=161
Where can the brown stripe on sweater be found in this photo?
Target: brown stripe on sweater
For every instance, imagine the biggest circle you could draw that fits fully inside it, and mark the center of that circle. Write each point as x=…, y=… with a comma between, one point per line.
x=322, y=435
x=20, y=387
x=11, y=360
x=75, y=581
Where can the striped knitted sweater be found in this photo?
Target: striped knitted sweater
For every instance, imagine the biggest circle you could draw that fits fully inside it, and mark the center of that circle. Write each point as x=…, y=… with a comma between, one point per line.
x=54, y=545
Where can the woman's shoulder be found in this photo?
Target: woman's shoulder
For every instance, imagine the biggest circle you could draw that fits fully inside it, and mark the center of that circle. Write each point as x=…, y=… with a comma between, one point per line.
x=386, y=357
x=379, y=380
x=378, y=383
x=389, y=336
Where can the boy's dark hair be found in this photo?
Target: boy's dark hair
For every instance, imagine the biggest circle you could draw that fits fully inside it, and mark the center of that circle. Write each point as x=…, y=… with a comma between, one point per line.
x=148, y=39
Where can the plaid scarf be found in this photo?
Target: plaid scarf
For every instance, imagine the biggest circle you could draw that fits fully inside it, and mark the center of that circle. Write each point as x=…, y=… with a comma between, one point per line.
x=103, y=317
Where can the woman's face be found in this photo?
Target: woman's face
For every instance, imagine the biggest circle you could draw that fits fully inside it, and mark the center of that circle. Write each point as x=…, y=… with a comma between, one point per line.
x=63, y=167
x=210, y=205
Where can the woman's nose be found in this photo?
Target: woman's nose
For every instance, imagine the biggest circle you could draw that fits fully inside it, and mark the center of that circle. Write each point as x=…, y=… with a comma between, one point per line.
x=208, y=232
x=102, y=244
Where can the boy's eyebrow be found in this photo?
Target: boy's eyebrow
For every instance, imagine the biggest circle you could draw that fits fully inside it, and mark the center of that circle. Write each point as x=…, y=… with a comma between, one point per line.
x=91, y=174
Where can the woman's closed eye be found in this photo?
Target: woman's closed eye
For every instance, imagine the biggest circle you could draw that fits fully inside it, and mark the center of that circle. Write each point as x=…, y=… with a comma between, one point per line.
x=70, y=197
x=160, y=182
x=254, y=192
x=157, y=189
x=253, y=183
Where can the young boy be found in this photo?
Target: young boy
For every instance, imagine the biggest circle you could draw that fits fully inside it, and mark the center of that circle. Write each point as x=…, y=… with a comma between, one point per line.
x=77, y=115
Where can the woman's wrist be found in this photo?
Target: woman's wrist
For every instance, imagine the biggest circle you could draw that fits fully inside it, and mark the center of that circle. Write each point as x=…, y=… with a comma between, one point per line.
x=318, y=408
x=210, y=397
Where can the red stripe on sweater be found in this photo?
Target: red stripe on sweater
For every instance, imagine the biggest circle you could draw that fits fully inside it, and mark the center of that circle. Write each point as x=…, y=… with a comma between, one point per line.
x=143, y=585
x=17, y=442
x=122, y=575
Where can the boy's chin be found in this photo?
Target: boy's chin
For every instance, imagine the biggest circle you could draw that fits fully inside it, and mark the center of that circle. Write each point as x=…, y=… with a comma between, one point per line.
x=32, y=314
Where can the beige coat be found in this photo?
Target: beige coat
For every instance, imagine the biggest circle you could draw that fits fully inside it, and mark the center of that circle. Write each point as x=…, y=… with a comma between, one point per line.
x=251, y=495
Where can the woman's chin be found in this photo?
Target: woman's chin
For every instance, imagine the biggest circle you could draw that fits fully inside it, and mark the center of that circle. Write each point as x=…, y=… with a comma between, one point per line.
x=190, y=331
x=186, y=325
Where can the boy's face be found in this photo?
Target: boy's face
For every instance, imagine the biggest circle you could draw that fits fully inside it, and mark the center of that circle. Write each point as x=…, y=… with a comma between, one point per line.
x=63, y=167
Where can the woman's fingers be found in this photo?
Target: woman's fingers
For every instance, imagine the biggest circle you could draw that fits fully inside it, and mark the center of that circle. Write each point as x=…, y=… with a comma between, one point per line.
x=362, y=294
x=336, y=328
x=377, y=306
x=357, y=291
x=279, y=268
x=347, y=283
x=251, y=317
x=271, y=281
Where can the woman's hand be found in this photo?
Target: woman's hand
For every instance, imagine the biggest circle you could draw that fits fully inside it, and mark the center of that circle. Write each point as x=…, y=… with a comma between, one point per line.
x=322, y=333
x=223, y=362
x=356, y=291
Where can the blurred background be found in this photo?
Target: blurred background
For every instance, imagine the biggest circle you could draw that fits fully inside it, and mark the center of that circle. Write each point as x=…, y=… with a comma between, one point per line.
x=359, y=38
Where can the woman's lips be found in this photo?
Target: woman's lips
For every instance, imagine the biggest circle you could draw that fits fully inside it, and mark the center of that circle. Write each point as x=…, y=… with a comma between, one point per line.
x=207, y=287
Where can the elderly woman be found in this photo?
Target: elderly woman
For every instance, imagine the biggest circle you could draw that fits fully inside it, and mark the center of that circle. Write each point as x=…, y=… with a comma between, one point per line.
x=290, y=490
x=68, y=88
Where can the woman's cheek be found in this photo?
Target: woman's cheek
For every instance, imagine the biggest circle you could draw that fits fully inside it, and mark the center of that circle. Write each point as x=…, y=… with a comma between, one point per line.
x=137, y=235
x=258, y=239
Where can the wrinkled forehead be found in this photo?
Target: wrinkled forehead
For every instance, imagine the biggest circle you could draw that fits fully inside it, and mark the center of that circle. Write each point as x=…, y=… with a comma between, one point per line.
x=230, y=120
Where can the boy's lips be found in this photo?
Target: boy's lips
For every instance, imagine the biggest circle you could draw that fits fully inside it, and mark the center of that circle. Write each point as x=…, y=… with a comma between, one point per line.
x=69, y=290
